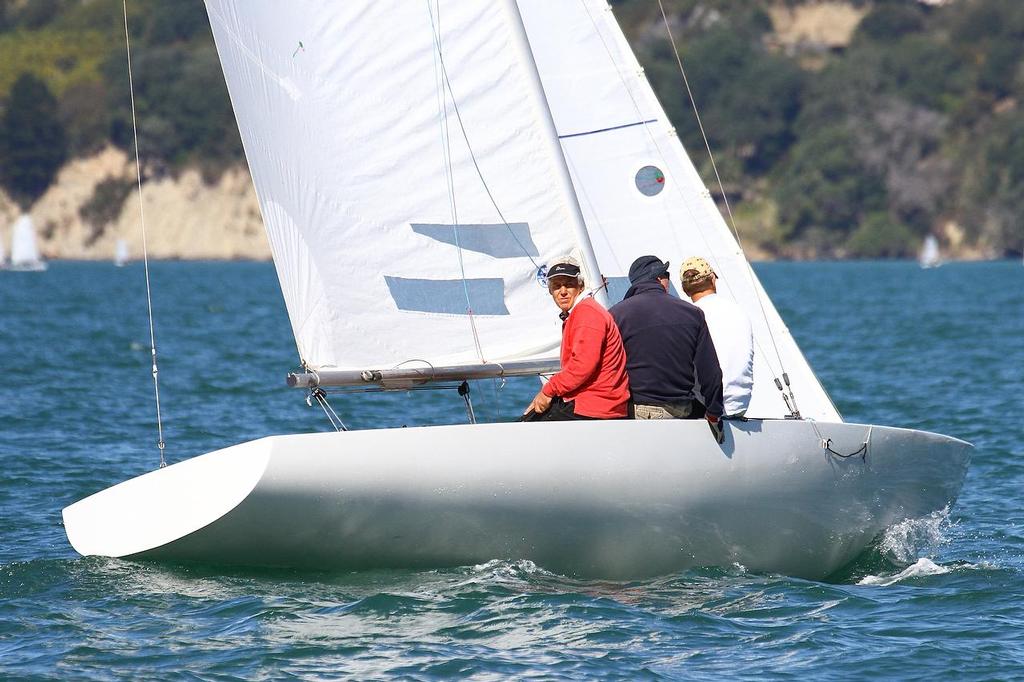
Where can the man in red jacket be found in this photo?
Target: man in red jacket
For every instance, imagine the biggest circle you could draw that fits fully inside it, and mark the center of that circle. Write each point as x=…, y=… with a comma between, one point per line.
x=593, y=382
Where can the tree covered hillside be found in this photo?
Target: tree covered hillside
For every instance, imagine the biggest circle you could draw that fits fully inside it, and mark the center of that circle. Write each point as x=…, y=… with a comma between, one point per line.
x=855, y=136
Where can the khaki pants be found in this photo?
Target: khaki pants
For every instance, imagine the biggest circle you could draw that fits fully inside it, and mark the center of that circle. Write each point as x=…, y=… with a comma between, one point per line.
x=661, y=412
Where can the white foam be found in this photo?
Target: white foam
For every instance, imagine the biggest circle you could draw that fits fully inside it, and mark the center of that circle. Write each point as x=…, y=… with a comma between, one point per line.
x=500, y=571
x=921, y=567
x=904, y=542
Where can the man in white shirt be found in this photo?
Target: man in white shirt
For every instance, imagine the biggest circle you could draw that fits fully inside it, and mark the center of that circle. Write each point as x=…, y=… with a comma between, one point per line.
x=730, y=331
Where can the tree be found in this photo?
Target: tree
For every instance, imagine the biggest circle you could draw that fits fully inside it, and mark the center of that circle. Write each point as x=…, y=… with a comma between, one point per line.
x=824, y=184
x=32, y=141
x=879, y=236
x=890, y=22
x=993, y=186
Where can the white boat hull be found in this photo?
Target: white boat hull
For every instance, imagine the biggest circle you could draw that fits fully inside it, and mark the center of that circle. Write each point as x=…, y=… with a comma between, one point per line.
x=662, y=497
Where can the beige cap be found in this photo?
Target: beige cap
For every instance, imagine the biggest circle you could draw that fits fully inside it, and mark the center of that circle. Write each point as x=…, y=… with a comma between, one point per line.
x=697, y=268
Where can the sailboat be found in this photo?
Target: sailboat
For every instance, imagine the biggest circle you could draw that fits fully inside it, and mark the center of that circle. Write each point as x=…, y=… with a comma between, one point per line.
x=930, y=256
x=120, y=253
x=418, y=165
x=24, y=253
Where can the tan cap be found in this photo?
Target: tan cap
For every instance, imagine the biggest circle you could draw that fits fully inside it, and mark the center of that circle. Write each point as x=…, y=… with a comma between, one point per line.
x=697, y=268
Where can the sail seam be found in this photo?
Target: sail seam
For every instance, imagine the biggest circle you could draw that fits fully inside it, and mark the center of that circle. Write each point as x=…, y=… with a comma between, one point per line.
x=605, y=130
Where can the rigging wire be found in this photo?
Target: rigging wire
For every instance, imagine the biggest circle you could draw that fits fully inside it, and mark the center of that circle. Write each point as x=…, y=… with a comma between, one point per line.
x=728, y=207
x=320, y=396
x=450, y=175
x=145, y=252
x=449, y=172
x=662, y=155
x=469, y=147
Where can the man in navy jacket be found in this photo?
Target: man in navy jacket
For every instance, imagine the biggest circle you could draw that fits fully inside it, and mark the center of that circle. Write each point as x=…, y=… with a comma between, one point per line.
x=668, y=350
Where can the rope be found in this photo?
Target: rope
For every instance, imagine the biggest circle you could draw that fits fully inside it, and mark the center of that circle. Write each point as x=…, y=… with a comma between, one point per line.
x=661, y=154
x=826, y=443
x=320, y=396
x=145, y=252
x=721, y=187
x=469, y=147
x=450, y=175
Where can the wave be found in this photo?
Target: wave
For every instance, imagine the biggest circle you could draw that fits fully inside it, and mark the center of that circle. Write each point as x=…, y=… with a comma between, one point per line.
x=904, y=542
x=921, y=567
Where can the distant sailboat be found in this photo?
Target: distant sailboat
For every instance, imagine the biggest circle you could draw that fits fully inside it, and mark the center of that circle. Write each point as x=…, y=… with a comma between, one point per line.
x=24, y=252
x=930, y=256
x=121, y=253
x=3, y=255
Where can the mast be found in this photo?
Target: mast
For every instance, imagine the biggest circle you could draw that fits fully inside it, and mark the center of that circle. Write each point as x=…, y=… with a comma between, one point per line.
x=565, y=184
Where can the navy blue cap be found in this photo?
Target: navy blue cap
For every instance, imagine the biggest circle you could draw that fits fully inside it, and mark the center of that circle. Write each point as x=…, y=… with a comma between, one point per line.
x=647, y=268
x=564, y=269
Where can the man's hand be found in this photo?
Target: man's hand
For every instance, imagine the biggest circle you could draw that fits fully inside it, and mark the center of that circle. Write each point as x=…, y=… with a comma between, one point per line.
x=717, y=428
x=540, y=403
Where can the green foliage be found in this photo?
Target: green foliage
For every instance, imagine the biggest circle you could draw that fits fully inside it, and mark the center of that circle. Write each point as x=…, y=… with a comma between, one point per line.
x=825, y=185
x=104, y=206
x=36, y=13
x=183, y=112
x=32, y=142
x=86, y=117
x=748, y=99
x=1000, y=68
x=59, y=58
x=993, y=185
x=175, y=22
x=891, y=22
x=879, y=236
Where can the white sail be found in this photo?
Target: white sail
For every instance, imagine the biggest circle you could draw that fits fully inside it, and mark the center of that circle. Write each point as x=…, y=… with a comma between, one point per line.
x=120, y=253
x=930, y=256
x=24, y=252
x=639, y=191
x=358, y=151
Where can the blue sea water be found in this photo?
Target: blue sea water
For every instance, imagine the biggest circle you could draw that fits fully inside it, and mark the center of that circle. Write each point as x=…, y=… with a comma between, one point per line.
x=940, y=349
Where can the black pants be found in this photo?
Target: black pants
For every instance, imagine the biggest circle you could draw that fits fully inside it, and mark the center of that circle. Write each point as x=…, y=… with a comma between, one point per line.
x=697, y=410
x=558, y=411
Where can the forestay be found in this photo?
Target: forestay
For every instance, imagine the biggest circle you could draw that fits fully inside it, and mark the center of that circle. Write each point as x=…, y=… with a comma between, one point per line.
x=354, y=136
x=638, y=189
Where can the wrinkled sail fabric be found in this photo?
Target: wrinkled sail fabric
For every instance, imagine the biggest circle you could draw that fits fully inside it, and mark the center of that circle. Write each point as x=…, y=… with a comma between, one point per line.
x=384, y=236
x=639, y=191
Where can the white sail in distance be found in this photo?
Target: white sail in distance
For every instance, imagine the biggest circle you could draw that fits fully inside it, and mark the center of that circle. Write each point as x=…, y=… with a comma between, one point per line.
x=405, y=176
x=24, y=252
x=120, y=252
x=640, y=192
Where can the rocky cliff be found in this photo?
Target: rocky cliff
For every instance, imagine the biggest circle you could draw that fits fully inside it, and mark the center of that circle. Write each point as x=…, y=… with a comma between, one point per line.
x=184, y=216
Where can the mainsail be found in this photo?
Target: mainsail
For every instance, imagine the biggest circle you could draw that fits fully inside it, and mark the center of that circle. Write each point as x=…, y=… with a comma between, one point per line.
x=410, y=185
x=406, y=178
